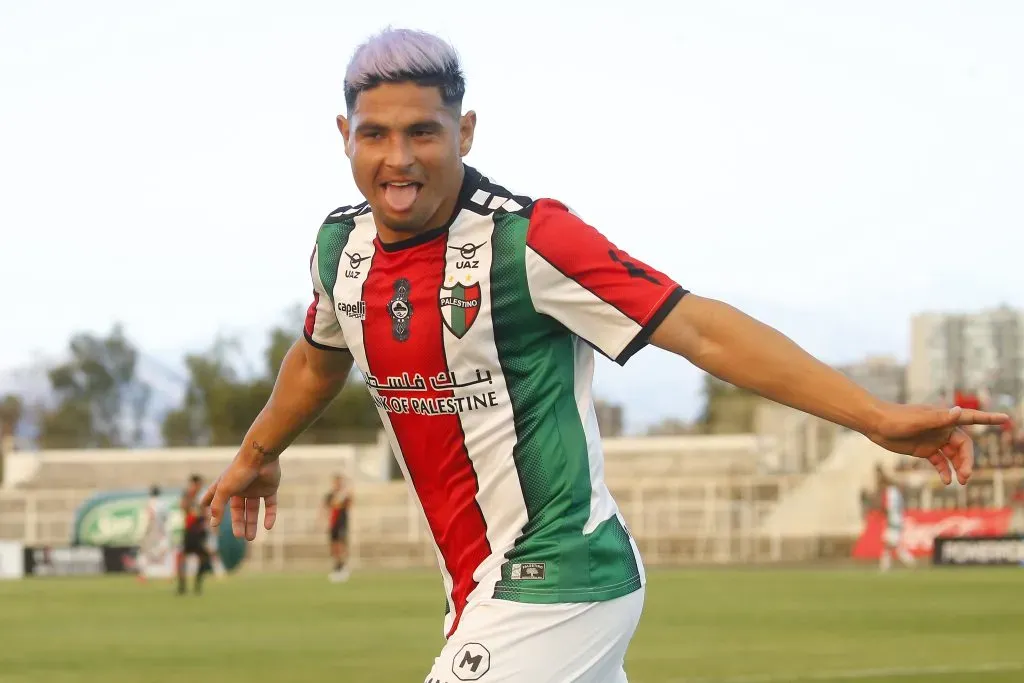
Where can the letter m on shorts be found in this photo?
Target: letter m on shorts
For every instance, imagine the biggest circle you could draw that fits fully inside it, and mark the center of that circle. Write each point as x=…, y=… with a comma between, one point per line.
x=473, y=662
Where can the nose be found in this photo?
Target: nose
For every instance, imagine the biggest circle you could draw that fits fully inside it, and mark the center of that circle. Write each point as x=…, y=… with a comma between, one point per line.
x=399, y=154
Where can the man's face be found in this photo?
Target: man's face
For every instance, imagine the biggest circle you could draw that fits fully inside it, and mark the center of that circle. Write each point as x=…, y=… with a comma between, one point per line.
x=406, y=150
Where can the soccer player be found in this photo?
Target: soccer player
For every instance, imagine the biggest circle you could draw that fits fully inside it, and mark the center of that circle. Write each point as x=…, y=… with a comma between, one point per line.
x=892, y=506
x=194, y=536
x=473, y=313
x=336, y=505
x=155, y=542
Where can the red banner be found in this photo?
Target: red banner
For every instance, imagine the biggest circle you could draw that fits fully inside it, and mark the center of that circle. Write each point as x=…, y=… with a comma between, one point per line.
x=920, y=527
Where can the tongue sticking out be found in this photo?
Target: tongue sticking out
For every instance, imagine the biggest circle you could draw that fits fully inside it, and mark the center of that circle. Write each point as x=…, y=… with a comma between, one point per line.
x=400, y=197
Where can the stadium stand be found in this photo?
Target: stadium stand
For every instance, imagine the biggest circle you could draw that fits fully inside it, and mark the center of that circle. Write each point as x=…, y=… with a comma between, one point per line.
x=687, y=499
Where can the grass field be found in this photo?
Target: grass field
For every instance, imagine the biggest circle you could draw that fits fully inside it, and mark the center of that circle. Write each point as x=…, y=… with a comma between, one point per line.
x=708, y=626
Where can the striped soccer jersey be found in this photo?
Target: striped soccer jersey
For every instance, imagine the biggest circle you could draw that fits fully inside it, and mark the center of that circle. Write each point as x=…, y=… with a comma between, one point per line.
x=476, y=344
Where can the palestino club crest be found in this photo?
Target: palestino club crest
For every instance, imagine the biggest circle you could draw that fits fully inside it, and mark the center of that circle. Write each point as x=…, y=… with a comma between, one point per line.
x=460, y=306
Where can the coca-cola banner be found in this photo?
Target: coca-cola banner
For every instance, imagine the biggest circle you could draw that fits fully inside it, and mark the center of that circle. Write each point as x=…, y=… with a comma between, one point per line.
x=921, y=527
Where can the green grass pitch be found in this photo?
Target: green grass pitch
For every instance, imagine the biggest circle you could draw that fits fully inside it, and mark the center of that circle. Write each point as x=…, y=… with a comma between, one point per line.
x=699, y=626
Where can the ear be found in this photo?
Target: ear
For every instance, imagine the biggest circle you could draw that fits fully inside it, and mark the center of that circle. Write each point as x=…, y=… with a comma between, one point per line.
x=346, y=132
x=467, y=128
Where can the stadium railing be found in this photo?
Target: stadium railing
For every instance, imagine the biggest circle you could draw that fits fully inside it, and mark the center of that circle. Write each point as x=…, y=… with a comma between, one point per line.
x=674, y=521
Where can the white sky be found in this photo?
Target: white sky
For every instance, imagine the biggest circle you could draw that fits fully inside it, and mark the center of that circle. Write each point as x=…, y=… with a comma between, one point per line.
x=829, y=167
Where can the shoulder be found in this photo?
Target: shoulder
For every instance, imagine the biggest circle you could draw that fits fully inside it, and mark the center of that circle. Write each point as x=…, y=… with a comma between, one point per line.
x=342, y=221
x=335, y=230
x=514, y=210
x=348, y=213
x=492, y=198
x=550, y=226
x=525, y=219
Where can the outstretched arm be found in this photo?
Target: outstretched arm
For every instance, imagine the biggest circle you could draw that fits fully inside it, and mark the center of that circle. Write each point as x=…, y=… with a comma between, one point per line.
x=734, y=347
x=619, y=304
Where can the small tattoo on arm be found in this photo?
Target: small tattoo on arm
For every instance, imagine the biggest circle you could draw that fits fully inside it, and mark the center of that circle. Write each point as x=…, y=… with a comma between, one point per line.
x=266, y=453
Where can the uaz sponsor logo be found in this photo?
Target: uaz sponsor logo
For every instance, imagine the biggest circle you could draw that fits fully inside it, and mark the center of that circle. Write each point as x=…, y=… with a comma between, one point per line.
x=356, y=310
x=355, y=262
x=467, y=255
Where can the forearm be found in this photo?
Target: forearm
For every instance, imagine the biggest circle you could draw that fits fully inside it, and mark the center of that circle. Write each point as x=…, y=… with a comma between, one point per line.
x=301, y=393
x=747, y=353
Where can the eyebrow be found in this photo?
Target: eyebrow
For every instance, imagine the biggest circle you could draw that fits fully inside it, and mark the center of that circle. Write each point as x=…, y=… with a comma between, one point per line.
x=424, y=124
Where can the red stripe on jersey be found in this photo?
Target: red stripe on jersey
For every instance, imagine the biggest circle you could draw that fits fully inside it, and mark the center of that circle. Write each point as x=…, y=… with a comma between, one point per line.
x=582, y=253
x=311, y=314
x=433, y=446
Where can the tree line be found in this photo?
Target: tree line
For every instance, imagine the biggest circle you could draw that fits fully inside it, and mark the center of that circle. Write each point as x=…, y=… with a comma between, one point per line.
x=98, y=399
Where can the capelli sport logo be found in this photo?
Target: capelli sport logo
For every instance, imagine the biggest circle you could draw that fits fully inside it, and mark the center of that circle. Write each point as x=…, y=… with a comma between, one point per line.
x=356, y=310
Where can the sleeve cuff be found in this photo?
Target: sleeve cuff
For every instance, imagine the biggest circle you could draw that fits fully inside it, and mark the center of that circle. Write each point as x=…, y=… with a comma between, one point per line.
x=318, y=345
x=643, y=336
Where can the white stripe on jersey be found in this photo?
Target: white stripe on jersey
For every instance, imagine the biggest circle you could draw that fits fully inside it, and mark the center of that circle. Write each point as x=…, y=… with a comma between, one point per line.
x=489, y=442
x=602, y=506
x=578, y=308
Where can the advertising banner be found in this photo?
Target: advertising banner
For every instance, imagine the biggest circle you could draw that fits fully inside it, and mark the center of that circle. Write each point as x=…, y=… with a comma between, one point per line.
x=981, y=550
x=80, y=561
x=118, y=519
x=922, y=527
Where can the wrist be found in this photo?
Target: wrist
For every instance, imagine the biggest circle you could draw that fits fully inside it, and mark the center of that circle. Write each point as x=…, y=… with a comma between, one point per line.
x=257, y=453
x=870, y=417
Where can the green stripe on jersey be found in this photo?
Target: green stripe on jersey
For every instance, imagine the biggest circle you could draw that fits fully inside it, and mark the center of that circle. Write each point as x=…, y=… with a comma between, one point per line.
x=330, y=242
x=537, y=358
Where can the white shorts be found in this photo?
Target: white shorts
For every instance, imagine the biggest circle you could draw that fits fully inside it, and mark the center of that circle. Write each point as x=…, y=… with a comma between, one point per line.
x=499, y=641
x=892, y=537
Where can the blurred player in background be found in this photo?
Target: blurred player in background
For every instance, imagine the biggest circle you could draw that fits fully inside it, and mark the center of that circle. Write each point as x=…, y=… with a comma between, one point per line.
x=336, y=506
x=156, y=541
x=894, y=511
x=473, y=313
x=194, y=536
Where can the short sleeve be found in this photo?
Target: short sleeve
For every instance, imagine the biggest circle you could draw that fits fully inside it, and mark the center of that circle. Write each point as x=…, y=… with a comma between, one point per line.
x=596, y=290
x=322, y=328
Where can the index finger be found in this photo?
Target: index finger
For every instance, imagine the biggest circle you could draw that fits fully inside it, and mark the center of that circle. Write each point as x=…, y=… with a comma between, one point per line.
x=208, y=496
x=216, y=504
x=977, y=417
